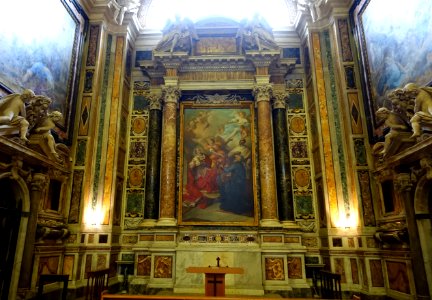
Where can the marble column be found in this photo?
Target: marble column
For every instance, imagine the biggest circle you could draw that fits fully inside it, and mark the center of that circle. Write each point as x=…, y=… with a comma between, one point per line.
x=151, y=209
x=282, y=159
x=262, y=93
x=38, y=185
x=171, y=95
x=404, y=186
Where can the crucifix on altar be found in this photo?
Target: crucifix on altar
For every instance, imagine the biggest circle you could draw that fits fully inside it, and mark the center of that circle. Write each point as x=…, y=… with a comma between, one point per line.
x=215, y=277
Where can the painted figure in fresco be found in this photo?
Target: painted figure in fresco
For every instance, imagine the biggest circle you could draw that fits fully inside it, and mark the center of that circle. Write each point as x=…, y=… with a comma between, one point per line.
x=13, y=111
x=201, y=180
x=422, y=108
x=177, y=36
x=234, y=188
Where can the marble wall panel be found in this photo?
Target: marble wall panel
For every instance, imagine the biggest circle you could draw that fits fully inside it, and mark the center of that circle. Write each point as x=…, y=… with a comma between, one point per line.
x=295, y=268
x=74, y=211
x=339, y=267
x=274, y=268
x=143, y=264
x=354, y=271
x=397, y=273
x=134, y=203
x=68, y=265
x=88, y=265
x=377, y=278
x=48, y=265
x=93, y=45
x=163, y=266
x=101, y=261
x=304, y=207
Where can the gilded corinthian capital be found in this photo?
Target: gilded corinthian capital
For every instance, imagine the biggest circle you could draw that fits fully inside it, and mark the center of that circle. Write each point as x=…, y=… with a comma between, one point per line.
x=279, y=100
x=155, y=101
x=262, y=92
x=171, y=94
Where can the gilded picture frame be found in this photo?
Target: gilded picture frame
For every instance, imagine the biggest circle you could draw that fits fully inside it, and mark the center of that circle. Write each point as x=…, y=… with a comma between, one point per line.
x=45, y=54
x=395, y=47
x=217, y=184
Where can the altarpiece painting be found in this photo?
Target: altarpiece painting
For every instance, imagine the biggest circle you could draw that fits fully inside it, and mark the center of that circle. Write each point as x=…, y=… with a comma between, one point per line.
x=217, y=164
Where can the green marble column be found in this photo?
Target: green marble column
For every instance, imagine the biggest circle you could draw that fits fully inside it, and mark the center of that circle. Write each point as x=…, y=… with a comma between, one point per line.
x=151, y=208
x=282, y=159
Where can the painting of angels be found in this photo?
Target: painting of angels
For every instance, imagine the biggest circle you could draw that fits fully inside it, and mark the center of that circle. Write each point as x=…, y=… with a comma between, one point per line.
x=217, y=164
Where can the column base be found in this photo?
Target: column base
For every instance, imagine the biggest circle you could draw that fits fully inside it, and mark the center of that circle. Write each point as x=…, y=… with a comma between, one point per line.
x=270, y=223
x=166, y=222
x=290, y=225
x=148, y=223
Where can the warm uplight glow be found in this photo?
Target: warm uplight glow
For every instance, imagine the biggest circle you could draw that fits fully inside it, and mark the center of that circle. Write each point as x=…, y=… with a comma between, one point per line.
x=276, y=12
x=93, y=216
x=347, y=221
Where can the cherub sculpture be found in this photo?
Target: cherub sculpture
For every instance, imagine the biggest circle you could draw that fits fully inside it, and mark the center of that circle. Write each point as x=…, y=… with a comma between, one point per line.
x=422, y=117
x=41, y=122
x=44, y=128
x=396, y=119
x=256, y=34
x=13, y=112
x=120, y=7
x=177, y=36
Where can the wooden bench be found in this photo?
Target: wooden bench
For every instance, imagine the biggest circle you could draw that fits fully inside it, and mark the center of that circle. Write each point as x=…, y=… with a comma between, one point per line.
x=49, y=278
x=330, y=285
x=179, y=297
x=97, y=282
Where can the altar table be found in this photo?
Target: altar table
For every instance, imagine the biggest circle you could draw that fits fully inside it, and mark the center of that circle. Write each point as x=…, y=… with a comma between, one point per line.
x=215, y=278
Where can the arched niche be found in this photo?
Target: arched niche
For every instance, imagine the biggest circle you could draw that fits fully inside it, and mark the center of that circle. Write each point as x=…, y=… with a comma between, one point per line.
x=15, y=188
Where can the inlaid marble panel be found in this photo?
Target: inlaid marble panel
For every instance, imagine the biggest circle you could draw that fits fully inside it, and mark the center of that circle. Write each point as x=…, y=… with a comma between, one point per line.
x=398, y=276
x=163, y=266
x=339, y=268
x=354, y=271
x=143, y=265
x=48, y=265
x=295, y=268
x=304, y=207
x=274, y=268
x=377, y=277
x=134, y=203
x=101, y=261
x=68, y=265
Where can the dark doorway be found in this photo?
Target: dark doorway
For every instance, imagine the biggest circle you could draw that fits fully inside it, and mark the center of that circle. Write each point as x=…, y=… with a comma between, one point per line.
x=10, y=217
